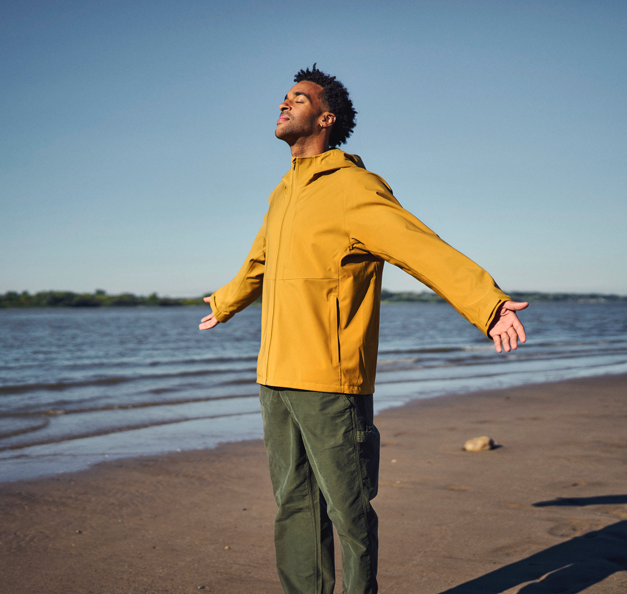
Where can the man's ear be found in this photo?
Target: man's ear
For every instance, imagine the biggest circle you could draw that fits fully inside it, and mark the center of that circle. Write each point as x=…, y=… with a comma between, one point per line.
x=327, y=119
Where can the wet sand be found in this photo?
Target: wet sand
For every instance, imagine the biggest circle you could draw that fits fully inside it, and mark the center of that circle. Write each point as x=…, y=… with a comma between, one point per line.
x=544, y=513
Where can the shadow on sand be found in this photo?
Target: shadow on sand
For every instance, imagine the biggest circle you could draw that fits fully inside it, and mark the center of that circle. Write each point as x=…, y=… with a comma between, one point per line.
x=583, y=501
x=572, y=566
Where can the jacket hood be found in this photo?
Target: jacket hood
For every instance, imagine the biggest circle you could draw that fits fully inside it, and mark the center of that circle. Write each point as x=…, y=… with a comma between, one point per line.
x=308, y=168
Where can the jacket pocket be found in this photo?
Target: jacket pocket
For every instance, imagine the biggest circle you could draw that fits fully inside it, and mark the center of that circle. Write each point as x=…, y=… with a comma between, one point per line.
x=334, y=330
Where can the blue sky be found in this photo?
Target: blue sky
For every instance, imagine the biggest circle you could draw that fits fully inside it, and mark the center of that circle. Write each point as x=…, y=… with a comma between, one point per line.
x=138, y=149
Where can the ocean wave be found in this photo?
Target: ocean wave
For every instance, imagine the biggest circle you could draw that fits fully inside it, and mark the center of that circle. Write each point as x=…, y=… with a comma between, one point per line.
x=53, y=412
x=546, y=344
x=11, y=426
x=528, y=354
x=518, y=370
x=113, y=380
x=112, y=430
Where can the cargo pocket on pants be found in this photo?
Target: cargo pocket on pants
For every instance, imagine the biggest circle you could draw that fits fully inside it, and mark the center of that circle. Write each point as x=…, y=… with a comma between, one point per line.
x=369, y=445
x=368, y=442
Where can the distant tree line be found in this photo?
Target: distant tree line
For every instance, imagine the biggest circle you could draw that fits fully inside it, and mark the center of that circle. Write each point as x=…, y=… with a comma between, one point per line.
x=97, y=299
x=582, y=297
x=101, y=299
x=530, y=296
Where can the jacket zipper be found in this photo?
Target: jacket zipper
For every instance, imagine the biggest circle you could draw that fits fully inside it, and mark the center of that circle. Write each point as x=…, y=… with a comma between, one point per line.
x=289, y=200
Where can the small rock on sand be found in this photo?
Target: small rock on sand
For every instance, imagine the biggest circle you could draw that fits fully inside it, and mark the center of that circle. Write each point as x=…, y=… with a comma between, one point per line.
x=479, y=444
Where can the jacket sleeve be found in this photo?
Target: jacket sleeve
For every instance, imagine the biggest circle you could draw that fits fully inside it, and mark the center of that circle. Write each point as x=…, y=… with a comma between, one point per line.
x=378, y=224
x=247, y=284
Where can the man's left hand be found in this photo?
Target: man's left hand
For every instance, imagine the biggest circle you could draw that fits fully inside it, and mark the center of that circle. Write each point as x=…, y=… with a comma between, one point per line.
x=506, y=329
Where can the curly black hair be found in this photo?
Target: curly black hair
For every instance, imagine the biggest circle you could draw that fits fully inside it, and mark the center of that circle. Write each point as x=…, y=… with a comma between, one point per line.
x=335, y=98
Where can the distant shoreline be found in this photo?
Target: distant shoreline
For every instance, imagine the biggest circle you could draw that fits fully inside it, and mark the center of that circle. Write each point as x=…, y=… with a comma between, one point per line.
x=13, y=299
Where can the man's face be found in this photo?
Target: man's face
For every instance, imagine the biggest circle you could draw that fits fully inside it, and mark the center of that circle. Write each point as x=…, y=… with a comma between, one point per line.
x=300, y=112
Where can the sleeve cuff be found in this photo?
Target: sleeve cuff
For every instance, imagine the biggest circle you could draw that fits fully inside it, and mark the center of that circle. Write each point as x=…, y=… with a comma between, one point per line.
x=220, y=316
x=490, y=311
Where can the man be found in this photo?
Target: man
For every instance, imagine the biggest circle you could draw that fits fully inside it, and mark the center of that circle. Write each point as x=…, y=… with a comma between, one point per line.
x=318, y=260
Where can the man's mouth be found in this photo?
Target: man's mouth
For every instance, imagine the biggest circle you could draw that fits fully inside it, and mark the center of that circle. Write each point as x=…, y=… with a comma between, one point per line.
x=282, y=118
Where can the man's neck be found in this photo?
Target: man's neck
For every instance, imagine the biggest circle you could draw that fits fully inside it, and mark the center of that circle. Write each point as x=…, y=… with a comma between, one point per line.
x=309, y=147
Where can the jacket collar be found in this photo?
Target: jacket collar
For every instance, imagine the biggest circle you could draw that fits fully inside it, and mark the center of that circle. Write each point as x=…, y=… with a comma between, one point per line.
x=305, y=169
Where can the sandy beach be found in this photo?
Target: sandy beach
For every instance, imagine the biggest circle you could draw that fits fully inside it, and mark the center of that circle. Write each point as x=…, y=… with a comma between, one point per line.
x=545, y=512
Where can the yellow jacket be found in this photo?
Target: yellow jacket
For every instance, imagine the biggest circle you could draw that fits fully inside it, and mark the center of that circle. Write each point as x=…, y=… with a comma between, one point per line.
x=318, y=259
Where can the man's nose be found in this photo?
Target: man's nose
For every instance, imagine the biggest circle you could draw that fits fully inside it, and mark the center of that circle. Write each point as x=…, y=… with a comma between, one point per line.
x=284, y=106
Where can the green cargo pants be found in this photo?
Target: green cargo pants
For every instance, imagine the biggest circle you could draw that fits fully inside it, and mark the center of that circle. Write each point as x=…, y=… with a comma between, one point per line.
x=323, y=452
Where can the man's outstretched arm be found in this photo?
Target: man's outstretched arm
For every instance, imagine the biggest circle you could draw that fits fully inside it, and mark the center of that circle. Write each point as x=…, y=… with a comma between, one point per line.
x=243, y=289
x=506, y=329
x=379, y=225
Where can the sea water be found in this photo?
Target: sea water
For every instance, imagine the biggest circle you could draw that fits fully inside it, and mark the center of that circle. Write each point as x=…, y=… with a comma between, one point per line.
x=82, y=386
